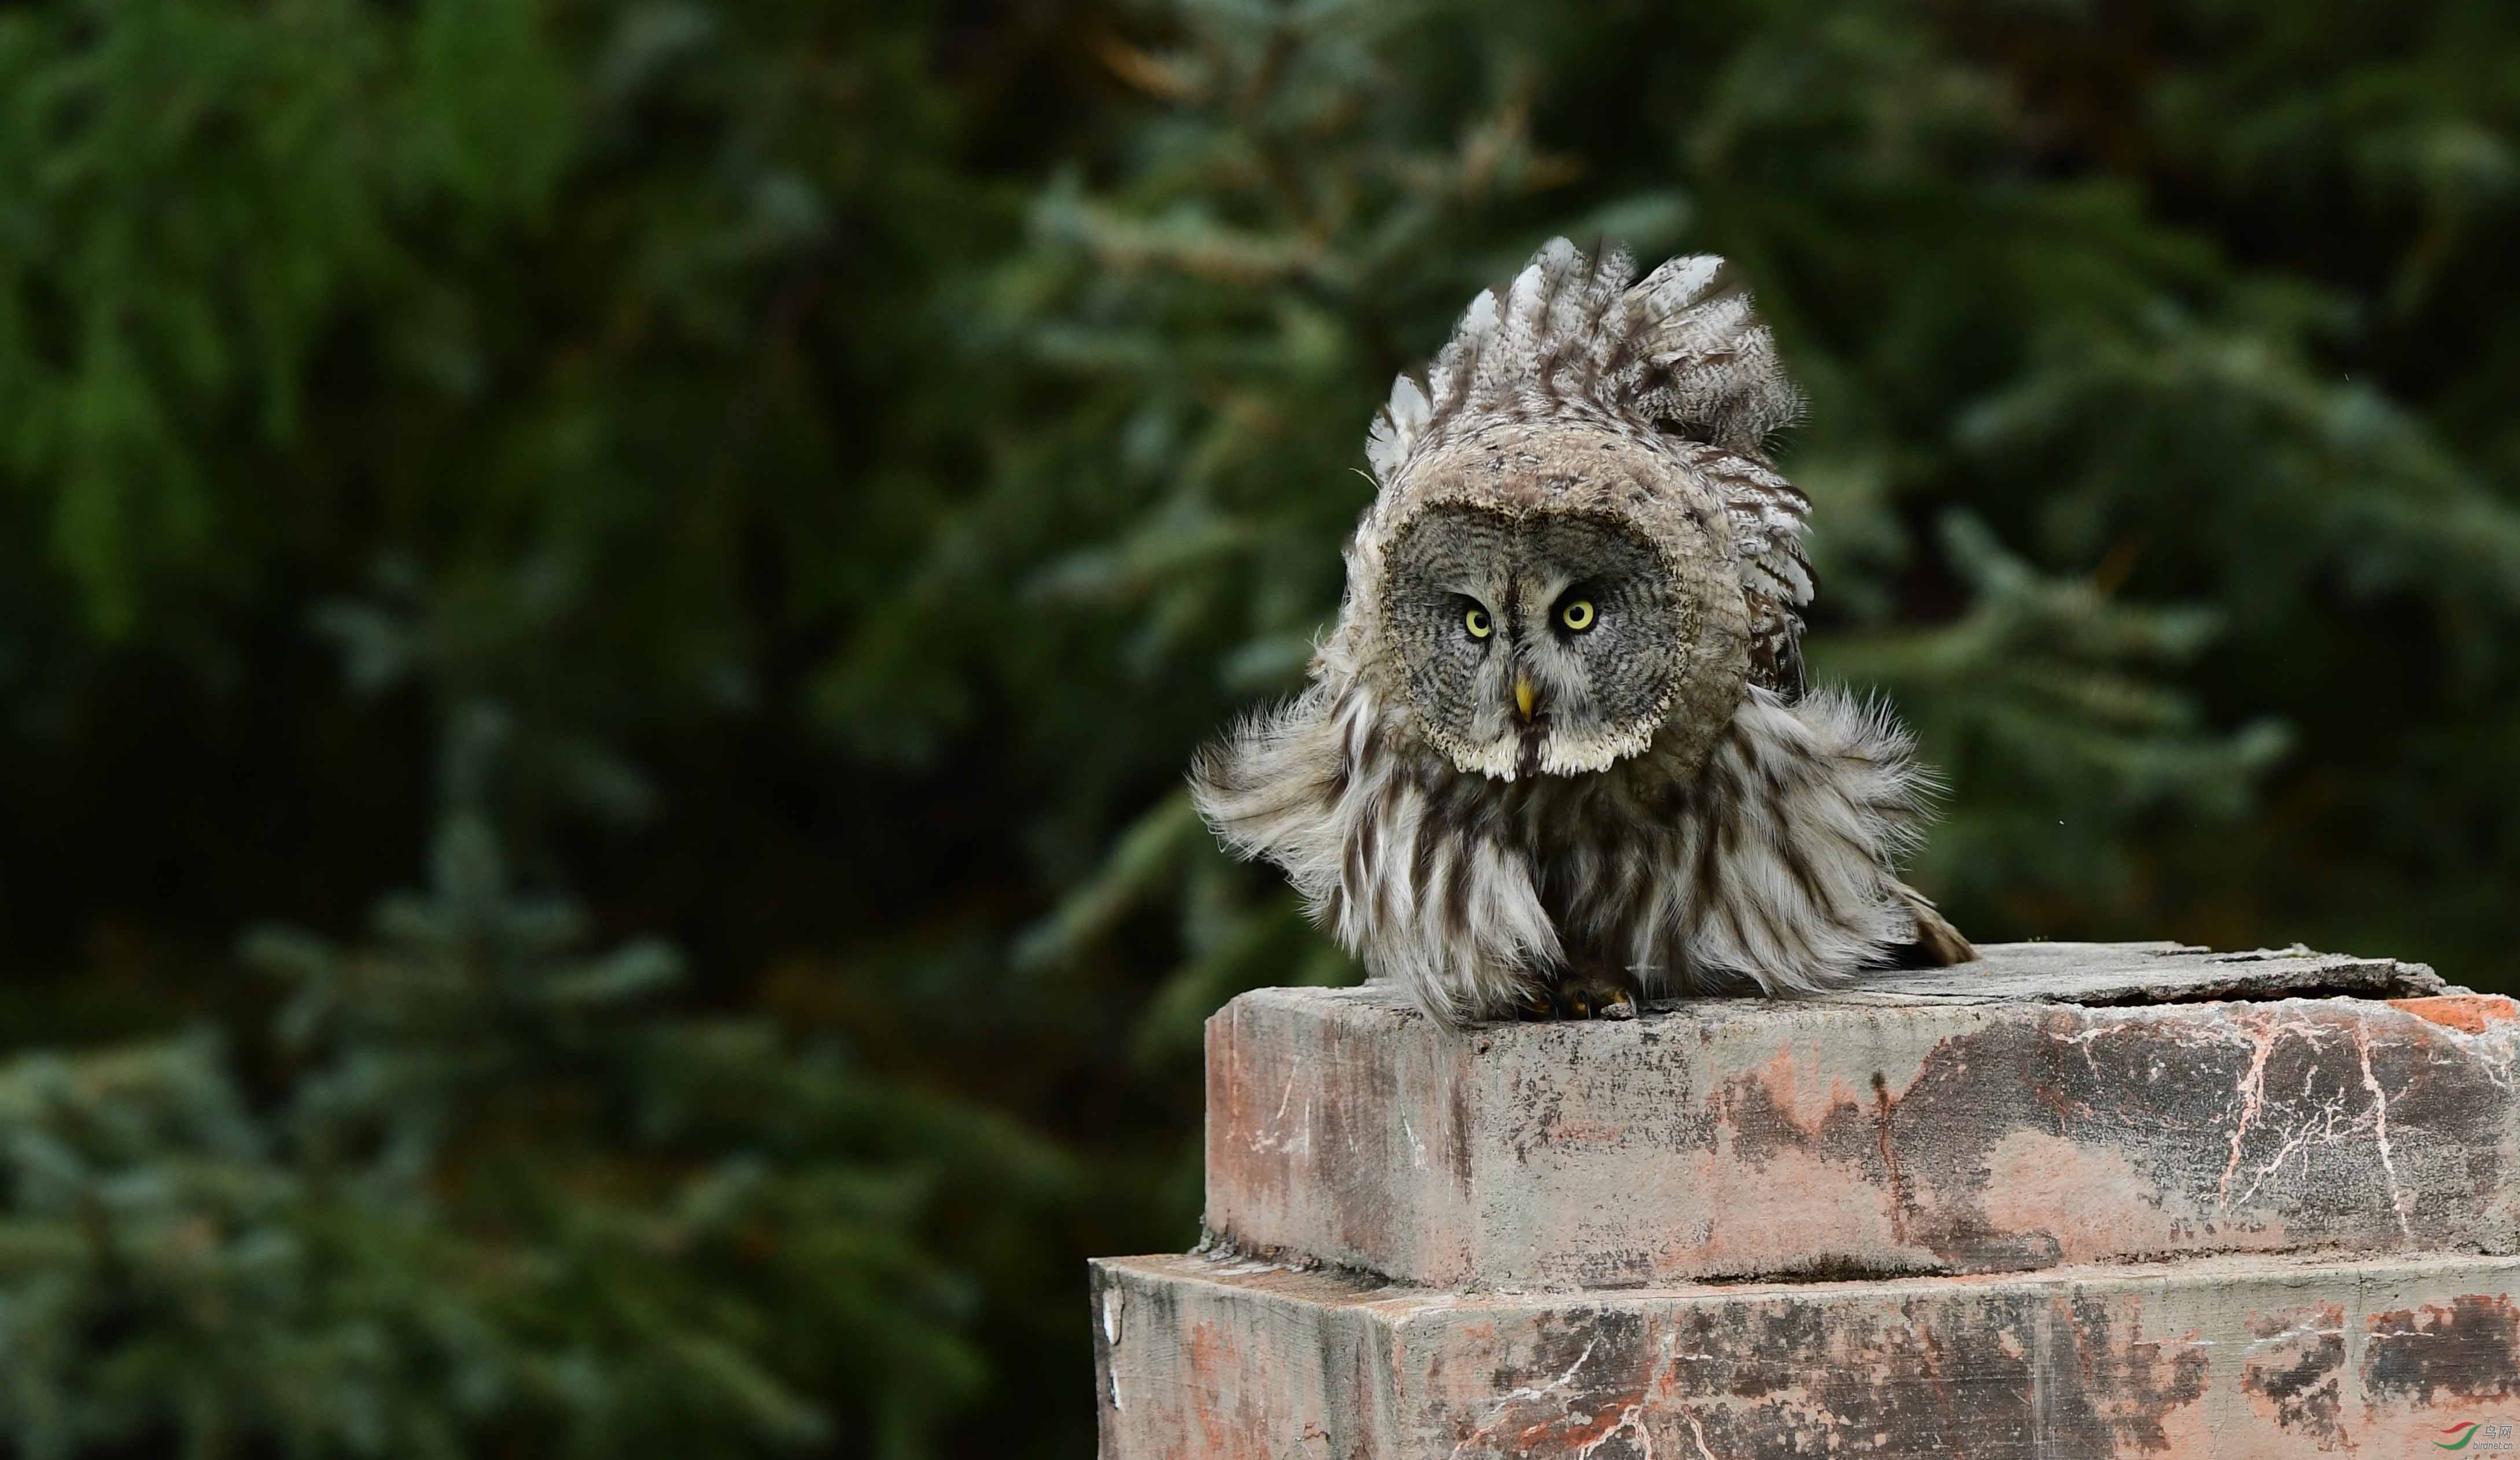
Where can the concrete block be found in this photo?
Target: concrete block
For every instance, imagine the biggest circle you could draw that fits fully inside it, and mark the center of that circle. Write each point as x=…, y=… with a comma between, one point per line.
x=2056, y=1104
x=2232, y=1356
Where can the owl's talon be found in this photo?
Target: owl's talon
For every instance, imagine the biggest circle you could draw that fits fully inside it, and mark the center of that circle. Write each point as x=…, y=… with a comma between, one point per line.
x=1534, y=1004
x=1593, y=995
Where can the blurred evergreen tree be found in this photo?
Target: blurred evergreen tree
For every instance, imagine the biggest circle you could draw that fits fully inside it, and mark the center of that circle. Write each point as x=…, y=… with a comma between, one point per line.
x=499, y=1199
x=803, y=478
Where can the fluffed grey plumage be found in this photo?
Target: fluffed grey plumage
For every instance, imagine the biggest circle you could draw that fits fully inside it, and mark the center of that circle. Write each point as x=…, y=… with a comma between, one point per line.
x=1557, y=751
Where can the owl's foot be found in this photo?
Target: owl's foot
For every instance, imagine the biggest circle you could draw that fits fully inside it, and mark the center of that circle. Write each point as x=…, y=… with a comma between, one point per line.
x=1937, y=944
x=1583, y=995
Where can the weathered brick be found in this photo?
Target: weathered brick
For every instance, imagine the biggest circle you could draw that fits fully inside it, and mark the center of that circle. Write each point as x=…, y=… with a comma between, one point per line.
x=2237, y=1356
x=2055, y=1104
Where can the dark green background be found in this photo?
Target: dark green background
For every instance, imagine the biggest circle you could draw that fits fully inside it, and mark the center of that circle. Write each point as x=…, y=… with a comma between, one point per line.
x=601, y=608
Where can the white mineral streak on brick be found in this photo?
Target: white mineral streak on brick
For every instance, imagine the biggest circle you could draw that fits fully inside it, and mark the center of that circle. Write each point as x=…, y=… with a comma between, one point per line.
x=1697, y=1435
x=2261, y=1034
x=2320, y=1126
x=2381, y=1130
x=2309, y=1118
x=2313, y=1327
x=1504, y=1402
x=1275, y=1137
x=1640, y=1440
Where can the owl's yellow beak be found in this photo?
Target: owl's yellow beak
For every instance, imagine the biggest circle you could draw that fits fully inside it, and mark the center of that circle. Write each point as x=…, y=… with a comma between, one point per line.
x=1522, y=694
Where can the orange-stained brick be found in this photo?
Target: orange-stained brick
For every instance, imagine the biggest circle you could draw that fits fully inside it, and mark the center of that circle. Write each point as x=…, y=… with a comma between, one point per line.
x=2468, y=1013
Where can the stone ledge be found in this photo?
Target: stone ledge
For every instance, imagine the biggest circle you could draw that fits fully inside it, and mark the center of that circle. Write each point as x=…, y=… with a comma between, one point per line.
x=2056, y=1104
x=2233, y=1356
x=2101, y=974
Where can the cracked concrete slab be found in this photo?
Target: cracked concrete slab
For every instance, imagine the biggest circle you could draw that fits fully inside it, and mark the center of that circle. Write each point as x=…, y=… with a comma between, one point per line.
x=2238, y=1356
x=2056, y=1104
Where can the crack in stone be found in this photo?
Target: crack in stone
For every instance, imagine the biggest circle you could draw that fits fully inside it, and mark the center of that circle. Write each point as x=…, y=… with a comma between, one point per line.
x=1504, y=1402
x=1696, y=1432
x=1628, y=1424
x=2250, y=1092
x=2322, y=1128
x=2381, y=1130
x=2261, y=1034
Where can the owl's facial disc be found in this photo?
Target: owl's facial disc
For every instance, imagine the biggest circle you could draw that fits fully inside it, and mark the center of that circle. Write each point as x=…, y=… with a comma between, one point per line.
x=1534, y=643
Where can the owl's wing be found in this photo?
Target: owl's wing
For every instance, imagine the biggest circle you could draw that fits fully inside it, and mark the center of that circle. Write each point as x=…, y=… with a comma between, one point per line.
x=1768, y=515
x=1688, y=351
x=1681, y=351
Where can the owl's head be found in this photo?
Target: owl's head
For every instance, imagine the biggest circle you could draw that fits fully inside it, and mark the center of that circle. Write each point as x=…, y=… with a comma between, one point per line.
x=1553, y=598
x=1577, y=541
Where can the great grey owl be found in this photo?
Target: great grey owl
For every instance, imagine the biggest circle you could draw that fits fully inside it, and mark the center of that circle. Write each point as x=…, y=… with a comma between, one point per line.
x=1558, y=755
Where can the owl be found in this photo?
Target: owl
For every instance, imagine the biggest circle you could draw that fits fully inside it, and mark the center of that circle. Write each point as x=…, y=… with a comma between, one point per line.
x=1557, y=757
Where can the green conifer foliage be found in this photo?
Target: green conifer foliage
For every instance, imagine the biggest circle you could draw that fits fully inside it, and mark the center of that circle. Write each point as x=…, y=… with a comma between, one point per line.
x=746, y=508
x=502, y=1198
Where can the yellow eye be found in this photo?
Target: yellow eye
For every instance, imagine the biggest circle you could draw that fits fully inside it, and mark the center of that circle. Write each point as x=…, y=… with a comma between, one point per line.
x=1577, y=616
x=1476, y=621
